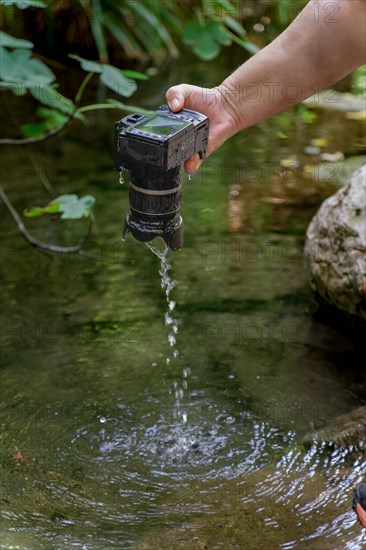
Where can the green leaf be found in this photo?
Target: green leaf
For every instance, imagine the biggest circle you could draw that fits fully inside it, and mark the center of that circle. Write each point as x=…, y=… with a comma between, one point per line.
x=34, y=212
x=34, y=129
x=218, y=32
x=19, y=68
x=72, y=207
x=86, y=65
x=8, y=41
x=191, y=32
x=135, y=74
x=206, y=38
x=55, y=117
x=50, y=97
x=206, y=48
x=116, y=81
x=52, y=120
x=51, y=209
x=23, y=4
x=38, y=211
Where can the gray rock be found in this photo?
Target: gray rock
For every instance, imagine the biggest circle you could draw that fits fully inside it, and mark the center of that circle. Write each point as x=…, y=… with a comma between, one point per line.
x=335, y=249
x=343, y=431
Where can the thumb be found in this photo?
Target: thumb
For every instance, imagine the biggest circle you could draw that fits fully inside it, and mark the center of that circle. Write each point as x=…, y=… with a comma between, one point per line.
x=184, y=96
x=188, y=97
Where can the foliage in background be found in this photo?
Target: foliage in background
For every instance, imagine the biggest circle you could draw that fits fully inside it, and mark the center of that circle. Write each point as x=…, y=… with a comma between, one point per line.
x=21, y=73
x=151, y=28
x=359, y=82
x=142, y=28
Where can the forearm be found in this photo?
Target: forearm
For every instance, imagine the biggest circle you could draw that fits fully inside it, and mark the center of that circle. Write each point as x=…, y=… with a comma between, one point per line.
x=325, y=43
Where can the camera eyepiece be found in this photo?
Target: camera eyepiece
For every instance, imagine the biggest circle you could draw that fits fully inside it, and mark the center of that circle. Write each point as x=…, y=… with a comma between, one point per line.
x=153, y=148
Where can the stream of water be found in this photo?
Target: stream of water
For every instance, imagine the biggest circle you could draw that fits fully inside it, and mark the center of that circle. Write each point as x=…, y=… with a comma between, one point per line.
x=161, y=250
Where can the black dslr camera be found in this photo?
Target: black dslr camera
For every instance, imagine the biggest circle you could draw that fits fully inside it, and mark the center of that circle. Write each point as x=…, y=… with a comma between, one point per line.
x=153, y=148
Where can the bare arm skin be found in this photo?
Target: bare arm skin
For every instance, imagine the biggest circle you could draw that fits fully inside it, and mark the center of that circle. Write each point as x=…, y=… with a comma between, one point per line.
x=326, y=42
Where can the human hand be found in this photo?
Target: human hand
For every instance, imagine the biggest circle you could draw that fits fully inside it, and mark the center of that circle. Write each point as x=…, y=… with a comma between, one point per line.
x=210, y=102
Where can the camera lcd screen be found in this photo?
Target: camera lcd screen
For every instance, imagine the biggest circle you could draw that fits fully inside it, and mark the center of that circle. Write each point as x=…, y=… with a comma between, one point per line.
x=162, y=125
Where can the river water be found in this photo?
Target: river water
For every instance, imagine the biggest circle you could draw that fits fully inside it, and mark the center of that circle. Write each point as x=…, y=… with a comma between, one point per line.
x=173, y=418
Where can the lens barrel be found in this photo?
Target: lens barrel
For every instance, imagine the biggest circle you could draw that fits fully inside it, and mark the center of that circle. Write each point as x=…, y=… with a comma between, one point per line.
x=155, y=198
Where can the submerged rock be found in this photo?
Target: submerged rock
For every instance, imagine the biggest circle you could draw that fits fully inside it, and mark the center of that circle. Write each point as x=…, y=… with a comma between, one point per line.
x=344, y=430
x=335, y=249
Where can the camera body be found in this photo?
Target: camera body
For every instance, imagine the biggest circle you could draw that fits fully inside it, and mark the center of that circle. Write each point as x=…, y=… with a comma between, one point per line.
x=153, y=149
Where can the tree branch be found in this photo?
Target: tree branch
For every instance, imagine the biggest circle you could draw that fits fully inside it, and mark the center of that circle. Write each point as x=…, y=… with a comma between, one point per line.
x=28, y=141
x=46, y=248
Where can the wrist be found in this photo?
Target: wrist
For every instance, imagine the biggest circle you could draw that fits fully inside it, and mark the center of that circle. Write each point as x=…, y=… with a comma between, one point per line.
x=239, y=113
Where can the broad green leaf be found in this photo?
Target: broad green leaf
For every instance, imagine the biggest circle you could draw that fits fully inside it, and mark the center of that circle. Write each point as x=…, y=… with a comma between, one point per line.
x=50, y=97
x=7, y=41
x=206, y=38
x=54, y=117
x=134, y=74
x=72, y=207
x=87, y=65
x=192, y=31
x=34, y=129
x=52, y=120
x=17, y=89
x=23, y=4
x=116, y=81
x=218, y=32
x=206, y=48
x=19, y=67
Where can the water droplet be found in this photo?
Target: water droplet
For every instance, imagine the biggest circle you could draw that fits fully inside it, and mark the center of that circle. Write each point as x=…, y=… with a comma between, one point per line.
x=154, y=364
x=120, y=179
x=102, y=419
x=189, y=177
